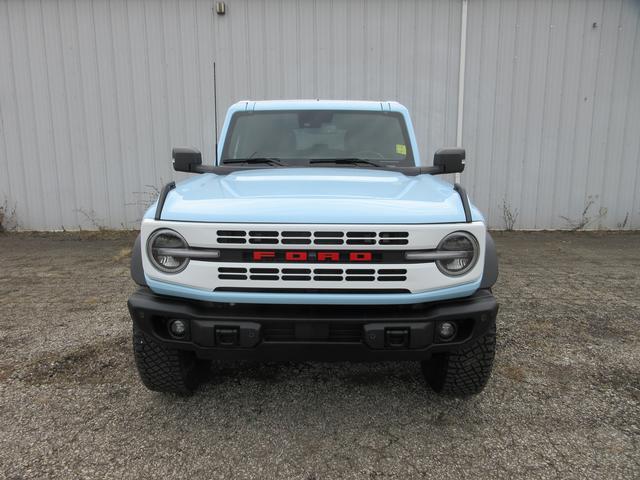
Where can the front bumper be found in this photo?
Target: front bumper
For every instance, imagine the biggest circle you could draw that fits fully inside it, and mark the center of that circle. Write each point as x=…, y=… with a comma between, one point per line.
x=296, y=332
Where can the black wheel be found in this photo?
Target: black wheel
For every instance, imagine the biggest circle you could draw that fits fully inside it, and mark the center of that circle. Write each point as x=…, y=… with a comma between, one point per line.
x=165, y=369
x=465, y=371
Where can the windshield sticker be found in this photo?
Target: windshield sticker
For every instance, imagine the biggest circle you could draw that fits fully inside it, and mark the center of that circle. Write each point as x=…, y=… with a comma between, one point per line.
x=401, y=149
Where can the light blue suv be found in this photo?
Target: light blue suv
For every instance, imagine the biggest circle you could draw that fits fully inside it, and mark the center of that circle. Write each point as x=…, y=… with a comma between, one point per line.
x=315, y=235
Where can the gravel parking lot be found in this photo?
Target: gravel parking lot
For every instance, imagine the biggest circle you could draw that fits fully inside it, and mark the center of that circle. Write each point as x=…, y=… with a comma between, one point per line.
x=564, y=400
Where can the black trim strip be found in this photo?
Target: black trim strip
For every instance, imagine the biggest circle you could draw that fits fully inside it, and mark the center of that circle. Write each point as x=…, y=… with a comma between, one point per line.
x=163, y=197
x=465, y=201
x=227, y=169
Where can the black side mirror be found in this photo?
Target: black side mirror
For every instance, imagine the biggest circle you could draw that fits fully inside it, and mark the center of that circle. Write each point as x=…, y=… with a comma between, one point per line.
x=186, y=159
x=449, y=160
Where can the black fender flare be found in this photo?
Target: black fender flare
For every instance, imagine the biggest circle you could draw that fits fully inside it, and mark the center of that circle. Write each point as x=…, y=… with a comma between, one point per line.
x=137, y=272
x=490, y=273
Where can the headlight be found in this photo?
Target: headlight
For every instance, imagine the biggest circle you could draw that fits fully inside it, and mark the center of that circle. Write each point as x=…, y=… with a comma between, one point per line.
x=458, y=253
x=168, y=251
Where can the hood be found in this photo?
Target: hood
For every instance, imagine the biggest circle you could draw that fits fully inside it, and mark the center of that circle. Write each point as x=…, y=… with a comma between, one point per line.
x=315, y=195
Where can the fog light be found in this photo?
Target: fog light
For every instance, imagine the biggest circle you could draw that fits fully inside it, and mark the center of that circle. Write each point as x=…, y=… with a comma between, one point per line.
x=446, y=330
x=178, y=328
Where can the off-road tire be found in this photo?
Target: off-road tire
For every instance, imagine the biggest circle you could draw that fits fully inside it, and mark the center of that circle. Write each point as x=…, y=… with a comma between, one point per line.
x=165, y=369
x=463, y=372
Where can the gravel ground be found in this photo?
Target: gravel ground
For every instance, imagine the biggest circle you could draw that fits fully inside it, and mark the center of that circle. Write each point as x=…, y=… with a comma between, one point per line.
x=564, y=400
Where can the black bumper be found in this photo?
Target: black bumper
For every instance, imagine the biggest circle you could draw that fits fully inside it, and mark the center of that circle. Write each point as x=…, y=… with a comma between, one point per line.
x=292, y=332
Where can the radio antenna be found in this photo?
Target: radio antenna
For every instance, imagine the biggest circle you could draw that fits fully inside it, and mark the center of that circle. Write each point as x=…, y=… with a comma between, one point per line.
x=215, y=109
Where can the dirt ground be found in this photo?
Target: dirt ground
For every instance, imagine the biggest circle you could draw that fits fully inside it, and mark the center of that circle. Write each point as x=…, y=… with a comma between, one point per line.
x=564, y=400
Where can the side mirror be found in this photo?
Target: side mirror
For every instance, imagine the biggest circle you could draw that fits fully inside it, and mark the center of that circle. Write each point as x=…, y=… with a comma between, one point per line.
x=186, y=159
x=449, y=160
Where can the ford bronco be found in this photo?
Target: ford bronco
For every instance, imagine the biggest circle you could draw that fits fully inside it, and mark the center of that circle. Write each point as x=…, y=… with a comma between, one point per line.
x=315, y=235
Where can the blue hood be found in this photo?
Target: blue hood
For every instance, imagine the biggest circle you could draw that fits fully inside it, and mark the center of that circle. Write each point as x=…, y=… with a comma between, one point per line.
x=314, y=195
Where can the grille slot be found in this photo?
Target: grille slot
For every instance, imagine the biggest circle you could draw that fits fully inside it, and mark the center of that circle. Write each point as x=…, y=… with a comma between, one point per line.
x=295, y=271
x=328, y=278
x=296, y=241
x=230, y=276
x=328, y=241
x=361, y=241
x=264, y=270
x=296, y=278
x=393, y=241
x=264, y=277
x=232, y=270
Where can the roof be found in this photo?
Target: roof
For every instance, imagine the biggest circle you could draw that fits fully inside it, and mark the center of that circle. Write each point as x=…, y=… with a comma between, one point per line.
x=310, y=104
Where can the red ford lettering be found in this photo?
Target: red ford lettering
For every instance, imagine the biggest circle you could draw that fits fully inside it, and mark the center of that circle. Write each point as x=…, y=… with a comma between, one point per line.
x=257, y=256
x=360, y=257
x=328, y=257
x=295, y=256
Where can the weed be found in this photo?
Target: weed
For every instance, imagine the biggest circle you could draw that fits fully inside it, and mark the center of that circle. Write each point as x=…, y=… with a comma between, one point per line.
x=509, y=216
x=92, y=218
x=585, y=219
x=624, y=223
x=8, y=220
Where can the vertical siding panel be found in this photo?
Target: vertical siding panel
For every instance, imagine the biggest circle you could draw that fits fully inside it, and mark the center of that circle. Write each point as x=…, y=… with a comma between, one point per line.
x=568, y=114
x=33, y=195
x=481, y=157
x=208, y=30
x=339, y=47
x=606, y=153
x=14, y=183
x=406, y=79
x=42, y=116
x=472, y=84
x=142, y=106
x=324, y=40
x=93, y=120
x=78, y=178
x=59, y=118
x=537, y=63
x=108, y=94
x=158, y=91
x=632, y=143
x=603, y=93
x=290, y=49
x=619, y=184
x=127, y=124
x=580, y=196
x=500, y=160
x=553, y=112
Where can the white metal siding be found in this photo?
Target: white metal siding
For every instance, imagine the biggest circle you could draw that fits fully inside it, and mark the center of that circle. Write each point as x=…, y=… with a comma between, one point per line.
x=552, y=111
x=93, y=94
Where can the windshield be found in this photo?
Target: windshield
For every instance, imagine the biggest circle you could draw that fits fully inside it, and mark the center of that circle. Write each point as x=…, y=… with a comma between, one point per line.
x=298, y=137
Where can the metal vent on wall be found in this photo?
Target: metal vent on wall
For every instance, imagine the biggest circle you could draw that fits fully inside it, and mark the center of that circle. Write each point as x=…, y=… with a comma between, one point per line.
x=315, y=274
x=273, y=237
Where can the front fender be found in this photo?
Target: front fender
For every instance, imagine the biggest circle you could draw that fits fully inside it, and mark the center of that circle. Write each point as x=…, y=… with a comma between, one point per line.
x=490, y=273
x=137, y=272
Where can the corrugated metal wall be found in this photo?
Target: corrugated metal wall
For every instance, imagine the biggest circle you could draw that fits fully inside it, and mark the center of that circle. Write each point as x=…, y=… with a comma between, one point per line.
x=93, y=95
x=552, y=111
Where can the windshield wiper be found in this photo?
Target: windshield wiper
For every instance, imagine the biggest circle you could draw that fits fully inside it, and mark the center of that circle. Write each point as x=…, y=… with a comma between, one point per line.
x=345, y=161
x=267, y=160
